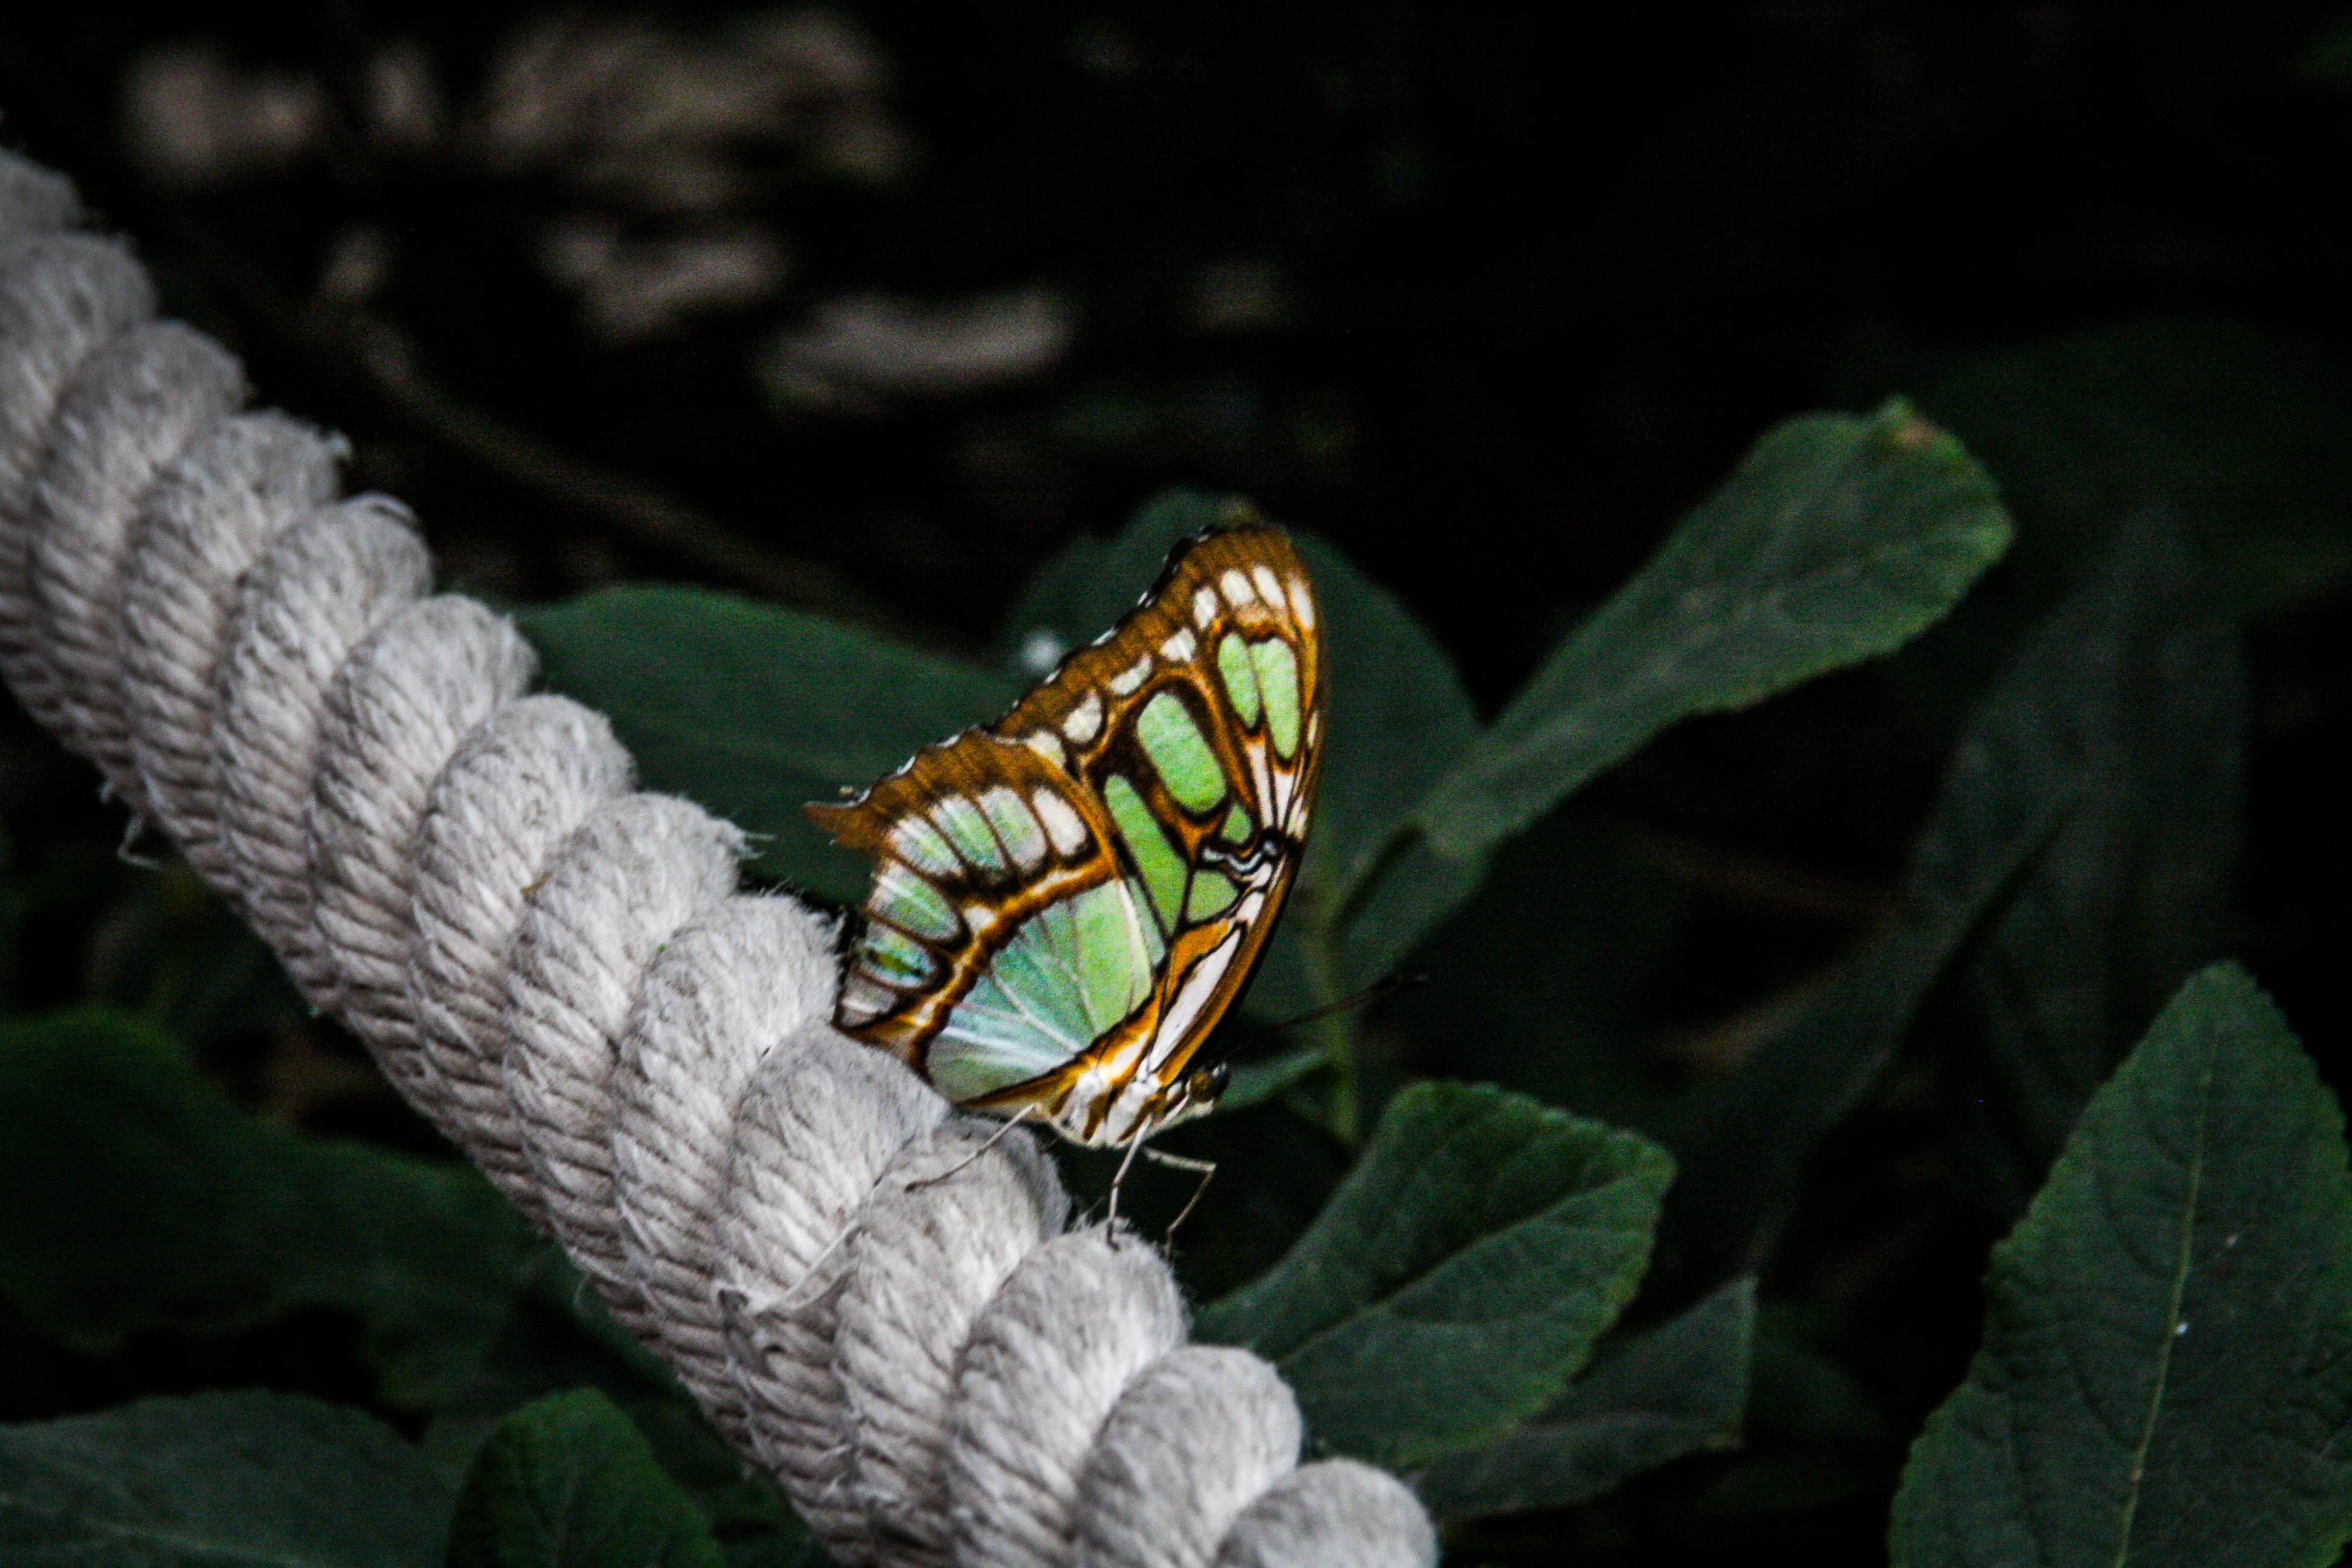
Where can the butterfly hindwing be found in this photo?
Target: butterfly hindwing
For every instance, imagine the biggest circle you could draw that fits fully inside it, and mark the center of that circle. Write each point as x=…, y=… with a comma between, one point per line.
x=1065, y=901
x=970, y=840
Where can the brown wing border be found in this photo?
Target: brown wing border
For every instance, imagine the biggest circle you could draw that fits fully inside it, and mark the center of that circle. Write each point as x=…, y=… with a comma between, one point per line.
x=1044, y=740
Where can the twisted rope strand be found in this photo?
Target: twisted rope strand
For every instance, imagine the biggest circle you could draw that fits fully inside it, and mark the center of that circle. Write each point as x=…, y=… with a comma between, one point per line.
x=713, y=1004
x=518, y=785
x=319, y=588
x=822, y=1121
x=868, y=1300
x=201, y=526
x=62, y=298
x=395, y=715
x=615, y=893
x=129, y=410
x=1140, y=1481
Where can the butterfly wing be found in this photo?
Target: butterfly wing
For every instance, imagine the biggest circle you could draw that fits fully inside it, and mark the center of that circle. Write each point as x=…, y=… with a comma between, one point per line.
x=986, y=850
x=1066, y=901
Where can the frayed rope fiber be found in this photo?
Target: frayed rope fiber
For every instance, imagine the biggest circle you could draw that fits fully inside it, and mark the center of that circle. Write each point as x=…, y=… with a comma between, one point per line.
x=875, y=1306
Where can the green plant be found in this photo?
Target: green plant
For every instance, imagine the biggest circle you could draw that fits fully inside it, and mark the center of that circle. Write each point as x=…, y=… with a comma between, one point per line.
x=1521, y=1308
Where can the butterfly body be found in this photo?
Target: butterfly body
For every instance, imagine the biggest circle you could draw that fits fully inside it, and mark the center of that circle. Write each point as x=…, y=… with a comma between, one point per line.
x=1065, y=901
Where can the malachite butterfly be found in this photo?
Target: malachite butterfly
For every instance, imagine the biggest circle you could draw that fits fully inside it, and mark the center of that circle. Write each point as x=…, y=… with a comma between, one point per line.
x=1065, y=901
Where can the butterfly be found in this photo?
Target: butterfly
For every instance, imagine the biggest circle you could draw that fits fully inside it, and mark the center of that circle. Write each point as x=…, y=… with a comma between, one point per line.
x=1065, y=901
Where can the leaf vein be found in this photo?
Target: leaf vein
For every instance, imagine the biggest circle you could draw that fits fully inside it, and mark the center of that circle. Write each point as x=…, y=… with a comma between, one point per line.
x=2172, y=1307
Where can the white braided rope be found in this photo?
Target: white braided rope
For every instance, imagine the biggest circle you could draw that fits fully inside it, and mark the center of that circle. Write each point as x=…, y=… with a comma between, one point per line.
x=563, y=977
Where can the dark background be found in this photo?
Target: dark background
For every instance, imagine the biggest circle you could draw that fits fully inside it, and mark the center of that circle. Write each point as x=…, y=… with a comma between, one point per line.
x=1487, y=295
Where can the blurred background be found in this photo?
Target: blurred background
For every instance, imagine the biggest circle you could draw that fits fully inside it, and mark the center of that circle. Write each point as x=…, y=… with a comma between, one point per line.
x=869, y=308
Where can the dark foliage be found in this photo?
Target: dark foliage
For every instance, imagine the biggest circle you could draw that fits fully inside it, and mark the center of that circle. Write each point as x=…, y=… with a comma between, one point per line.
x=1729, y=801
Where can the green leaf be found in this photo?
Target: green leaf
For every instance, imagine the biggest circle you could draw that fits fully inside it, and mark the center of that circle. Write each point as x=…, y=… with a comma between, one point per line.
x=2079, y=857
x=1810, y=1437
x=1459, y=1277
x=560, y=1338
x=773, y=1550
x=2330, y=60
x=1837, y=539
x=137, y=1197
x=753, y=711
x=1676, y=1390
x=1539, y=984
x=172, y=953
x=1368, y=890
x=557, y=1337
x=569, y=1483
x=2077, y=865
x=2129, y=704
x=213, y=1480
x=1400, y=721
x=1255, y=1082
x=2166, y=1371
x=1813, y=1435
x=1743, y=1145
x=2248, y=432
x=1090, y=583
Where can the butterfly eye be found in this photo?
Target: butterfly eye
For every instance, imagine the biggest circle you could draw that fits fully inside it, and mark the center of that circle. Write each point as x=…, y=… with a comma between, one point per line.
x=1207, y=1085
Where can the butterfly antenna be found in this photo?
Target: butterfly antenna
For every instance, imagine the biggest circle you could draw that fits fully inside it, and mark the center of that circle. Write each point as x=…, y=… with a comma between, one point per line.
x=1363, y=998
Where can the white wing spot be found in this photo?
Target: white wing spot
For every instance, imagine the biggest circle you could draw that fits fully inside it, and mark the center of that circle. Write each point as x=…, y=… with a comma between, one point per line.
x=919, y=843
x=1302, y=602
x=961, y=819
x=1269, y=585
x=1180, y=648
x=1023, y=840
x=1191, y=995
x=1084, y=722
x=1204, y=609
x=1048, y=745
x=906, y=897
x=1062, y=824
x=862, y=1002
x=1236, y=589
x=1263, y=778
x=1127, y=680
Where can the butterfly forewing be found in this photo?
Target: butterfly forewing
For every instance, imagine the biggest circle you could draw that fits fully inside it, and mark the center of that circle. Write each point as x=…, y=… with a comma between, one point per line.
x=1065, y=901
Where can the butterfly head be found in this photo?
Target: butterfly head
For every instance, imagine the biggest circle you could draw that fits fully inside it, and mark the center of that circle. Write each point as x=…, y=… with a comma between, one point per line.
x=1198, y=1093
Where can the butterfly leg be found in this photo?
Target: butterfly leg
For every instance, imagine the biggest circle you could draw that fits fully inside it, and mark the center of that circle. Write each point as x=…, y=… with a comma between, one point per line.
x=993, y=1139
x=1208, y=1169
x=1110, y=1209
